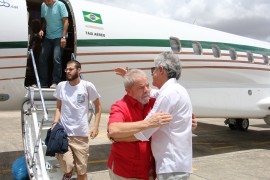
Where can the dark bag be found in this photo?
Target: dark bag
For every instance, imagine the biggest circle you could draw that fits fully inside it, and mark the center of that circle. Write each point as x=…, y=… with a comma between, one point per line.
x=56, y=141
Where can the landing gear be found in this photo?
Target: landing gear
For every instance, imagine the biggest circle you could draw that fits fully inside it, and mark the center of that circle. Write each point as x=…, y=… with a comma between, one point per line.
x=267, y=119
x=232, y=126
x=237, y=123
x=243, y=124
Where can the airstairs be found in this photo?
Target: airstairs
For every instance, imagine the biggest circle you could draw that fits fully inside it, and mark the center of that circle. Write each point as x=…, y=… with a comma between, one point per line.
x=35, y=124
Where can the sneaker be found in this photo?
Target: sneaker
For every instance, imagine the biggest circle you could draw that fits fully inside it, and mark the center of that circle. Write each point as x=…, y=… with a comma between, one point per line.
x=53, y=86
x=67, y=178
x=34, y=86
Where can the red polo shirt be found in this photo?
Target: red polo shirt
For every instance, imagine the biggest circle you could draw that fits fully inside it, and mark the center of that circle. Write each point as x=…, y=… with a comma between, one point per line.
x=130, y=159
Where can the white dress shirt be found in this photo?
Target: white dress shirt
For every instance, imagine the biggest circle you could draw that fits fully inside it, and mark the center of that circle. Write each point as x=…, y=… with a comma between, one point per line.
x=172, y=144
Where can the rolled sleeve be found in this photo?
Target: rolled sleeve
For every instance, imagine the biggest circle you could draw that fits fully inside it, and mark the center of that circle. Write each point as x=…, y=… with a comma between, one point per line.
x=145, y=135
x=140, y=136
x=161, y=105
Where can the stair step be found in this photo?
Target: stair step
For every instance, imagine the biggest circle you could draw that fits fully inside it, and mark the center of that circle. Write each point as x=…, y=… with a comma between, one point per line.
x=47, y=94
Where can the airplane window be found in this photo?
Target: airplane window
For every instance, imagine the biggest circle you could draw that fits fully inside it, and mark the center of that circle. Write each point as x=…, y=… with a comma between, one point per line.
x=175, y=44
x=233, y=54
x=216, y=50
x=250, y=56
x=265, y=59
x=197, y=48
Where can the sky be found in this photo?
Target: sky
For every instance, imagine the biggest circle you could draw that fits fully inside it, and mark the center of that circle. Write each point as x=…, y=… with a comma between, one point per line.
x=249, y=18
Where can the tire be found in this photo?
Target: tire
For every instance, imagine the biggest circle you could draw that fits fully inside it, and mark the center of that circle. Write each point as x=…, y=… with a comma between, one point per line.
x=232, y=126
x=242, y=124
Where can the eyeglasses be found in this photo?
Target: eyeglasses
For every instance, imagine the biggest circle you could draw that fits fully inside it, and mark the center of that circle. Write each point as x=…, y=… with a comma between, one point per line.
x=69, y=69
x=153, y=69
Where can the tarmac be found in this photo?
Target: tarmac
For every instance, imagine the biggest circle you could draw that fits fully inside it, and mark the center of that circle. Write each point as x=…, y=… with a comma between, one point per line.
x=218, y=152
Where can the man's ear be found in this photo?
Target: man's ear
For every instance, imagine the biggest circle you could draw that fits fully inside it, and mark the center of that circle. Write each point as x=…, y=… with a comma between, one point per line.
x=127, y=90
x=162, y=70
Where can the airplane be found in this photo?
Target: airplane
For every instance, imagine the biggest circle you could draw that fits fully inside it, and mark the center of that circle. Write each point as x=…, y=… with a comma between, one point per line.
x=226, y=75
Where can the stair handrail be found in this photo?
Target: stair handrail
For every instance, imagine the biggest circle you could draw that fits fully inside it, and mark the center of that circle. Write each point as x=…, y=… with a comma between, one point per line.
x=39, y=86
x=45, y=117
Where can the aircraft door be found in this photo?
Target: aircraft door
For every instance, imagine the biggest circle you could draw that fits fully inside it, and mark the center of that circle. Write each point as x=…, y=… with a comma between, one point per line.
x=35, y=43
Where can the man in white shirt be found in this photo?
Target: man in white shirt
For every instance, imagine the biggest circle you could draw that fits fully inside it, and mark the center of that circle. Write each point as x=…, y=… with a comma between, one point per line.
x=73, y=98
x=171, y=144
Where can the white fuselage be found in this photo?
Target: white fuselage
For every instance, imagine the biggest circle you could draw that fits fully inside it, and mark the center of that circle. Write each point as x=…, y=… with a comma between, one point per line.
x=218, y=87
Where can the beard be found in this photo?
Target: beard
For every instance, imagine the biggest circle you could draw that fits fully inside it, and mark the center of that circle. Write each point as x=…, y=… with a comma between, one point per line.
x=72, y=77
x=145, y=99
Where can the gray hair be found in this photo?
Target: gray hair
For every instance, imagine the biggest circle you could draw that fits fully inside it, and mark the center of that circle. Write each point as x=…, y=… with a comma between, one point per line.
x=129, y=79
x=170, y=62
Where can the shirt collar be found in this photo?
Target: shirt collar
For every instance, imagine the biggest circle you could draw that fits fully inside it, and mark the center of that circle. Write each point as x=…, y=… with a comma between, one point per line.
x=167, y=83
x=132, y=101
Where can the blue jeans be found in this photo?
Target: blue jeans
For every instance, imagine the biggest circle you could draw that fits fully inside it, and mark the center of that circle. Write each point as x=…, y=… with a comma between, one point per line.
x=51, y=47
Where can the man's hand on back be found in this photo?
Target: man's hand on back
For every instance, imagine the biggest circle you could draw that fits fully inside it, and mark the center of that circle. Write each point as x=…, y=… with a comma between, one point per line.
x=158, y=119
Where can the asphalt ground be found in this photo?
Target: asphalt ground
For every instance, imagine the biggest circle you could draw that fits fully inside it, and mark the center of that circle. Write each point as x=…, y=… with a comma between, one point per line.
x=218, y=152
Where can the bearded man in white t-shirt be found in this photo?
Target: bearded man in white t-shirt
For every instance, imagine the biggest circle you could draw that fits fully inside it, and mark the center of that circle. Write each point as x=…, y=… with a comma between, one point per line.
x=73, y=98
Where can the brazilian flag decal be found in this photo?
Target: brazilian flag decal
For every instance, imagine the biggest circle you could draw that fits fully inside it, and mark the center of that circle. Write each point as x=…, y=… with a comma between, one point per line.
x=92, y=17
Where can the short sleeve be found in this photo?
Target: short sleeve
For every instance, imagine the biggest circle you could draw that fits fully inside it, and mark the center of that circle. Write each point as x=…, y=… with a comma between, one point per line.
x=57, y=92
x=63, y=11
x=116, y=114
x=42, y=10
x=92, y=91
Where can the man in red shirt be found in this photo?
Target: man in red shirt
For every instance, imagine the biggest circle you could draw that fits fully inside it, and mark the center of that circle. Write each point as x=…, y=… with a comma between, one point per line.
x=130, y=158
